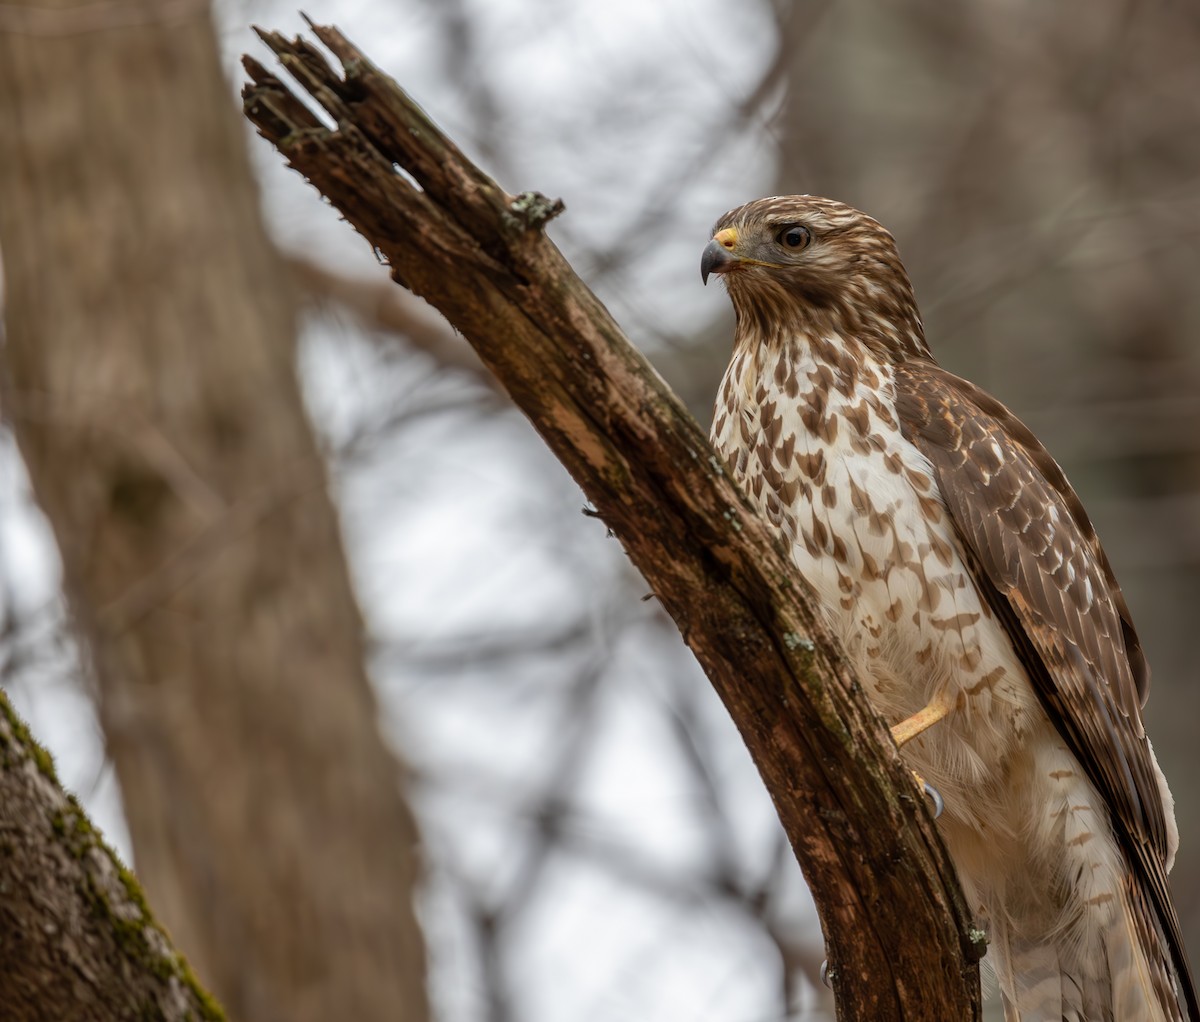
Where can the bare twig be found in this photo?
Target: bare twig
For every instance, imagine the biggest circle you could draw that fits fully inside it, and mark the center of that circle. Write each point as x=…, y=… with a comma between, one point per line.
x=379, y=306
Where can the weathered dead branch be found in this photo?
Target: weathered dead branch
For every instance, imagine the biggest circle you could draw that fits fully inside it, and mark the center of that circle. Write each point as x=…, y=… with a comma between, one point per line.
x=896, y=926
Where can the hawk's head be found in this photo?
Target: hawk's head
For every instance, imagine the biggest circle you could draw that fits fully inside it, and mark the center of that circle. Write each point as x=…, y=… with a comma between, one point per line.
x=801, y=264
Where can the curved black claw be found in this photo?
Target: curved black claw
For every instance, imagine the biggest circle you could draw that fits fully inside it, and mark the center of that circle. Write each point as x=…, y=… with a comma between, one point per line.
x=935, y=796
x=825, y=973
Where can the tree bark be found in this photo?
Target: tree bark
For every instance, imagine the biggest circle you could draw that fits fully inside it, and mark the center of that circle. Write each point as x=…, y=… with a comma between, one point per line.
x=899, y=940
x=150, y=381
x=77, y=939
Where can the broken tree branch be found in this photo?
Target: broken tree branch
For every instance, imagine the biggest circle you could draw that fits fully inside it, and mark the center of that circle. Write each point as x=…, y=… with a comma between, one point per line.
x=899, y=941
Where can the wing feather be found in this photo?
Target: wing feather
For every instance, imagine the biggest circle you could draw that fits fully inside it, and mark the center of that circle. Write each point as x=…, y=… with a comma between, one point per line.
x=1038, y=563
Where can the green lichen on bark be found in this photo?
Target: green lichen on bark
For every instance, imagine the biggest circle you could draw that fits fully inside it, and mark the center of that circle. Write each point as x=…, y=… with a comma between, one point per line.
x=116, y=896
x=106, y=884
x=533, y=209
x=17, y=742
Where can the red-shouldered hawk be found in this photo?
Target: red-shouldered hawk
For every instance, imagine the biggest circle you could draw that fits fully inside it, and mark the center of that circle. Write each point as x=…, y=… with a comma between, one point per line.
x=969, y=589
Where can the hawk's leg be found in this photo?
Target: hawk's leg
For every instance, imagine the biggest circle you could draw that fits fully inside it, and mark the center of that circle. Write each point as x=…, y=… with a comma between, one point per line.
x=919, y=722
x=922, y=720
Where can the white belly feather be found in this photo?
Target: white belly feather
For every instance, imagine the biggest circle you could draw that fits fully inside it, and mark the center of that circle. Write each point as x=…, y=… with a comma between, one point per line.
x=872, y=537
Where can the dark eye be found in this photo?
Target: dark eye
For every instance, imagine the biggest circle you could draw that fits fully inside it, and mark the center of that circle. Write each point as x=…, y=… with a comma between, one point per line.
x=793, y=236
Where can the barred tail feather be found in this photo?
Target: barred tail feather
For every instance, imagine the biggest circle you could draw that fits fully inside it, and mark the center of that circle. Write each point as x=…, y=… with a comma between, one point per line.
x=1058, y=979
x=1039, y=989
x=1074, y=935
x=1147, y=980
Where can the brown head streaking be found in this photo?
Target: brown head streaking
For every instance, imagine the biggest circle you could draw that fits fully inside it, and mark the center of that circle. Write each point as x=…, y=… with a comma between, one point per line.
x=830, y=269
x=969, y=589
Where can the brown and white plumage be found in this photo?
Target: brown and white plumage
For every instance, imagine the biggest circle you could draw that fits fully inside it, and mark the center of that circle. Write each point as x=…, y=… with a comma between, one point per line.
x=959, y=569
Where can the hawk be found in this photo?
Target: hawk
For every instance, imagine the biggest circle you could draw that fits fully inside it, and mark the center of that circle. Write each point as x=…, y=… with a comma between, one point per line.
x=966, y=583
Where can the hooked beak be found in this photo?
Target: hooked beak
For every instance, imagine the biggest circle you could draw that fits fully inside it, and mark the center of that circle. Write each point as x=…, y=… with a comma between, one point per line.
x=719, y=254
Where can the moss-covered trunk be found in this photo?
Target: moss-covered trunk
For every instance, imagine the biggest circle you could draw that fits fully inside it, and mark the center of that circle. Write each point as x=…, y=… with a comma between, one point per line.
x=77, y=939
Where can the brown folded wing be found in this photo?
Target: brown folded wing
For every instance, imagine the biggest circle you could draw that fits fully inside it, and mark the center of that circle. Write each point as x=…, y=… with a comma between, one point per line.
x=1039, y=565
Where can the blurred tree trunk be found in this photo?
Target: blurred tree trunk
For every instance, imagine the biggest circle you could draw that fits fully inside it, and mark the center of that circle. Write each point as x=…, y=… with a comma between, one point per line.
x=149, y=376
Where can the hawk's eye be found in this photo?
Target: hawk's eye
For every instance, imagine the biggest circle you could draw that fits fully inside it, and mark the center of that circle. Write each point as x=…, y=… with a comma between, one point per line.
x=793, y=236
